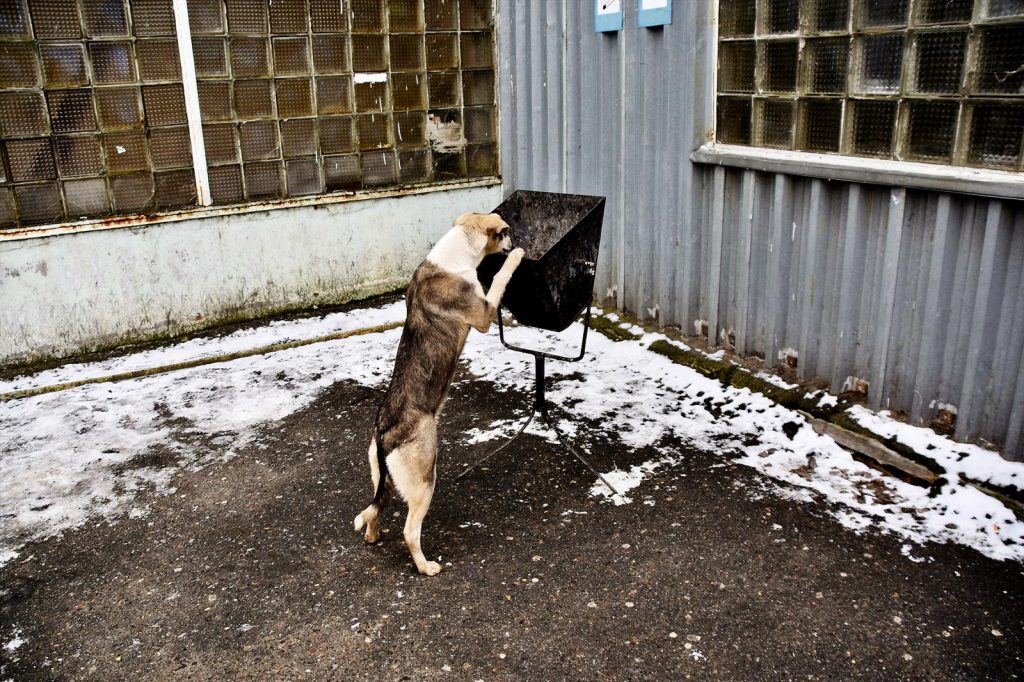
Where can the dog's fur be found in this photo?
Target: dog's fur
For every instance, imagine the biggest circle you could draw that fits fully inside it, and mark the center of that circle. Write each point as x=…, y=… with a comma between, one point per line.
x=443, y=301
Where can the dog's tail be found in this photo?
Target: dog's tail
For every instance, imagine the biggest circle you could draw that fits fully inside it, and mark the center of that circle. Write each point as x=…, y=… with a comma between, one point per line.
x=380, y=497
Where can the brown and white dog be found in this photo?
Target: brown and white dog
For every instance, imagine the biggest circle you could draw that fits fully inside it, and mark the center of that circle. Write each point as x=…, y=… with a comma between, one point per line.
x=443, y=301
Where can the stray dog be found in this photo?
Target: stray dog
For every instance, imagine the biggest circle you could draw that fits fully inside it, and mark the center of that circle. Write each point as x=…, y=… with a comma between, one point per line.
x=443, y=301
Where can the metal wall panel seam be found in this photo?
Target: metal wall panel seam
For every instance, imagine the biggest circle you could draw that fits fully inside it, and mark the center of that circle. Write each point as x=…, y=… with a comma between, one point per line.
x=808, y=251
x=715, y=253
x=745, y=226
x=1013, y=446
x=887, y=296
x=849, y=290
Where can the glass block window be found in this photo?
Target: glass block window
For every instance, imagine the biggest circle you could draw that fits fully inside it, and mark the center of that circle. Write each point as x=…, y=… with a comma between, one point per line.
x=92, y=114
x=296, y=98
x=937, y=81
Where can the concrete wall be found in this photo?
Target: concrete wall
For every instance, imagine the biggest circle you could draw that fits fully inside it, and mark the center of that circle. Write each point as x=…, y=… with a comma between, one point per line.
x=72, y=293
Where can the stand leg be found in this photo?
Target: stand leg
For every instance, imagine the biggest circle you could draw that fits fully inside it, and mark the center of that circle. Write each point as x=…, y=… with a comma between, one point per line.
x=561, y=439
x=505, y=445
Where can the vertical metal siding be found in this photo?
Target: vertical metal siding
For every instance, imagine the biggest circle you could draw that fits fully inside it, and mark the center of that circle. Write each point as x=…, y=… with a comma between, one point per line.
x=920, y=293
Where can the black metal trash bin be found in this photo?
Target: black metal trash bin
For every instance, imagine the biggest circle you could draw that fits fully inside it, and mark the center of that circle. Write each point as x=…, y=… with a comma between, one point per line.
x=561, y=234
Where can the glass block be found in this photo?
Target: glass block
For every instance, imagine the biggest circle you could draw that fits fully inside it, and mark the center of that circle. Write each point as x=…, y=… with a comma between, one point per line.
x=152, y=17
x=294, y=98
x=406, y=52
x=733, y=120
x=1000, y=56
x=330, y=54
x=204, y=16
x=209, y=56
x=371, y=96
x=19, y=67
x=8, y=213
x=939, y=61
x=226, y=184
x=873, y=13
x=39, y=204
x=126, y=151
x=263, y=180
x=879, y=63
x=942, y=11
x=79, y=155
x=158, y=60
x=63, y=65
x=480, y=124
x=828, y=15
x=774, y=121
x=112, y=62
x=249, y=57
x=214, y=100
x=444, y=89
x=736, y=18
x=104, y=18
x=118, y=108
x=414, y=166
x=477, y=50
x=931, y=130
x=1004, y=8
x=289, y=16
x=165, y=105
x=133, y=193
x=13, y=22
x=477, y=88
x=996, y=135
x=825, y=62
x=379, y=169
x=298, y=137
x=441, y=16
x=170, y=148
x=247, y=16
x=406, y=16
x=442, y=51
x=342, y=173
x=175, y=189
x=259, y=140
x=374, y=131
x=367, y=16
x=327, y=16
x=481, y=160
x=55, y=19
x=818, y=125
x=254, y=99
x=409, y=91
x=779, y=16
x=369, y=53
x=410, y=128
x=22, y=113
x=448, y=166
x=337, y=135
x=291, y=56
x=779, y=65
x=86, y=198
x=872, y=127
x=334, y=95
x=30, y=159
x=475, y=14
x=303, y=177
x=736, y=66
x=219, y=143
x=71, y=110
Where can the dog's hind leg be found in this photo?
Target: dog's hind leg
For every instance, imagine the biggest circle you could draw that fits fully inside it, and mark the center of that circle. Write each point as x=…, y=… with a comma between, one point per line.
x=413, y=474
x=370, y=517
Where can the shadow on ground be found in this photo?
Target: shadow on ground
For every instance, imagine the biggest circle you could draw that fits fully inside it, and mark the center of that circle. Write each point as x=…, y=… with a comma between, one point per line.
x=251, y=570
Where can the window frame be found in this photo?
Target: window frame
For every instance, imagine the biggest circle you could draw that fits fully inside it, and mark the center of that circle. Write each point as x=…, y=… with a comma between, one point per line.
x=204, y=206
x=839, y=166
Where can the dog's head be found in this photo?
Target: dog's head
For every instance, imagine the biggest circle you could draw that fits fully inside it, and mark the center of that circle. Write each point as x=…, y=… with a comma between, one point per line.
x=487, y=231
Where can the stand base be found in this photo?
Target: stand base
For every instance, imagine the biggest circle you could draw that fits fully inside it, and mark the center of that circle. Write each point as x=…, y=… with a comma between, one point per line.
x=540, y=406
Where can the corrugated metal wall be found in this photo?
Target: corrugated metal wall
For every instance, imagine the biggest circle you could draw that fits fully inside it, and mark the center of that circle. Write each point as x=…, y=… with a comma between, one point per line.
x=919, y=293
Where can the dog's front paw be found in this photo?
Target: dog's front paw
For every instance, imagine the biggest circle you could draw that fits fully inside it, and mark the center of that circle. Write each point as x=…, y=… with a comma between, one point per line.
x=515, y=257
x=429, y=568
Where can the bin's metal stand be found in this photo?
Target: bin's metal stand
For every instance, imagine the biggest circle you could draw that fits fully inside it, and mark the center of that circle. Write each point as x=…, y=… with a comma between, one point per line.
x=540, y=404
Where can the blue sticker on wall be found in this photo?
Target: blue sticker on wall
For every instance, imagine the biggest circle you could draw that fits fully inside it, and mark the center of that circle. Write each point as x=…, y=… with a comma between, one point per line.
x=607, y=15
x=654, y=13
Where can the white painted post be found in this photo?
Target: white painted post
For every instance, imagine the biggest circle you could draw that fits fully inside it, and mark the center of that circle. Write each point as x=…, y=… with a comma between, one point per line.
x=188, y=83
